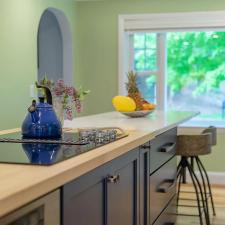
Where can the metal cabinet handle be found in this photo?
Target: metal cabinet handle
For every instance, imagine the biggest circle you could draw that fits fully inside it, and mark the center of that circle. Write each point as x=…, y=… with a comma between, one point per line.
x=146, y=146
x=168, y=147
x=113, y=179
x=169, y=223
x=166, y=186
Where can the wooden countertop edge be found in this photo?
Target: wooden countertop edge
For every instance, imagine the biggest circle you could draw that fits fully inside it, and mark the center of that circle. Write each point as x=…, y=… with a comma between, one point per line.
x=9, y=131
x=64, y=172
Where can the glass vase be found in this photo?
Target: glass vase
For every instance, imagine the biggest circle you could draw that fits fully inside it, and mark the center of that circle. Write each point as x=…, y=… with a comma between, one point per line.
x=59, y=109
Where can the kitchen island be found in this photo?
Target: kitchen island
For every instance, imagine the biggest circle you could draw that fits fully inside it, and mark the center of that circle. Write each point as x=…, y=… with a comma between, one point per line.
x=21, y=184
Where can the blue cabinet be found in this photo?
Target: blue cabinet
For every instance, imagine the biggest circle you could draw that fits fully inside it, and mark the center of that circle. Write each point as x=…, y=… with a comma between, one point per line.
x=108, y=195
x=136, y=188
x=158, y=179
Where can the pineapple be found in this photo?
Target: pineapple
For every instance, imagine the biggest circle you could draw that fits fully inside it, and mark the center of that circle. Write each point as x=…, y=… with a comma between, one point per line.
x=133, y=91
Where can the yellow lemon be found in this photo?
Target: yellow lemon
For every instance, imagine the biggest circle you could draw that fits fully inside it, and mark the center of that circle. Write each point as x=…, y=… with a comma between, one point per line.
x=124, y=104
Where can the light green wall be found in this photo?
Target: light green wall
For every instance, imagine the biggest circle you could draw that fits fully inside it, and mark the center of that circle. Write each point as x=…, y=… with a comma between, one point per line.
x=215, y=160
x=98, y=48
x=19, y=21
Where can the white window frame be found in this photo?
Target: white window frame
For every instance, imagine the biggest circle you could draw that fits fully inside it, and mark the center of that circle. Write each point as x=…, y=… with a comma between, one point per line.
x=157, y=22
x=148, y=72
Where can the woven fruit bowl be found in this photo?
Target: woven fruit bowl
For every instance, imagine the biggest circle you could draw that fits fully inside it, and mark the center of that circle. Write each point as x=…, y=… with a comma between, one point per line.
x=136, y=114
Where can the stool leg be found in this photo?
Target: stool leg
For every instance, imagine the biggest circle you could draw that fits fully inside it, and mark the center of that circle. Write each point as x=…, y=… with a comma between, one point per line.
x=192, y=162
x=209, y=185
x=197, y=186
x=197, y=195
x=179, y=176
x=184, y=176
x=204, y=186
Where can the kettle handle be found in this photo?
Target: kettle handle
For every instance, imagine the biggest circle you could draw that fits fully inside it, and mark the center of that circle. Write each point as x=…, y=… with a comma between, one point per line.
x=47, y=92
x=32, y=111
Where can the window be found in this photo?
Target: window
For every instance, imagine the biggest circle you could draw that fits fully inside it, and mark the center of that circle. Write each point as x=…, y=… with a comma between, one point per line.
x=143, y=60
x=195, y=70
x=145, y=55
x=201, y=89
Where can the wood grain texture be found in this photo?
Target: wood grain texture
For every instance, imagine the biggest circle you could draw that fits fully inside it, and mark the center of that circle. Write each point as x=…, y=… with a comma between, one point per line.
x=9, y=131
x=219, y=199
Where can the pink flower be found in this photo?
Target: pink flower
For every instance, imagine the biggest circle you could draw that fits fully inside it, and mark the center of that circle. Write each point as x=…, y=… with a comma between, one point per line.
x=68, y=96
x=78, y=105
x=70, y=91
x=58, y=91
x=60, y=83
x=69, y=113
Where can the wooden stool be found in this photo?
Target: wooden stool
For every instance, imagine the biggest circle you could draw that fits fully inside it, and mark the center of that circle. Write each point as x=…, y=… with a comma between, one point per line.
x=191, y=147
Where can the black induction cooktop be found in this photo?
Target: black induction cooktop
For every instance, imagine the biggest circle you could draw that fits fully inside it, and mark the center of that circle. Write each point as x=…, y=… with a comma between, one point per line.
x=14, y=149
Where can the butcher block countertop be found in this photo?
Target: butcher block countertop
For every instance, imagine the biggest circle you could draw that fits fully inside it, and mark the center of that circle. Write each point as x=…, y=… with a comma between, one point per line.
x=20, y=184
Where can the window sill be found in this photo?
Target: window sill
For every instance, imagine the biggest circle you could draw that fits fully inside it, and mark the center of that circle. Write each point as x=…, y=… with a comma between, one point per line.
x=197, y=125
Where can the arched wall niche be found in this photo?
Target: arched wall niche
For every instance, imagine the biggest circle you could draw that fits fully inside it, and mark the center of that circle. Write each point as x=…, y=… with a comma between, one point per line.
x=54, y=46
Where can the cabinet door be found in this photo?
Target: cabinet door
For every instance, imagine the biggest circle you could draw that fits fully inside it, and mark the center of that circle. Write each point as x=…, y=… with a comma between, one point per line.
x=43, y=211
x=109, y=195
x=84, y=199
x=123, y=190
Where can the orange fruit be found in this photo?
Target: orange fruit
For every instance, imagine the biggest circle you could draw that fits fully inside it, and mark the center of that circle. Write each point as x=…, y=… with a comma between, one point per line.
x=145, y=106
x=148, y=106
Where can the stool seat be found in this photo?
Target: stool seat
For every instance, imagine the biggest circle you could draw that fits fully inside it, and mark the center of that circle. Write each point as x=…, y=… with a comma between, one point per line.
x=190, y=147
x=194, y=145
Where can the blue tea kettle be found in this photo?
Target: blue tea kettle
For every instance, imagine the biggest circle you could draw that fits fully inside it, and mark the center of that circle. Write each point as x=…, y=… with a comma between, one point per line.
x=42, y=121
x=39, y=153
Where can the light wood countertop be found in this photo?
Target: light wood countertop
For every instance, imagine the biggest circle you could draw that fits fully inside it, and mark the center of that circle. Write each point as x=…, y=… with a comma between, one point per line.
x=20, y=184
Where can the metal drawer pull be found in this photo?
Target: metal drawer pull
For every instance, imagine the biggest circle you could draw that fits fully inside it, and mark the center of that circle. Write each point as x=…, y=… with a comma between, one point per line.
x=113, y=179
x=168, y=147
x=146, y=146
x=169, y=223
x=166, y=186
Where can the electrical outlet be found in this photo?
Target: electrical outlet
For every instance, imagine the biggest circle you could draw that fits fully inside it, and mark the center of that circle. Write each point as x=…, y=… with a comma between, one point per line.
x=32, y=94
